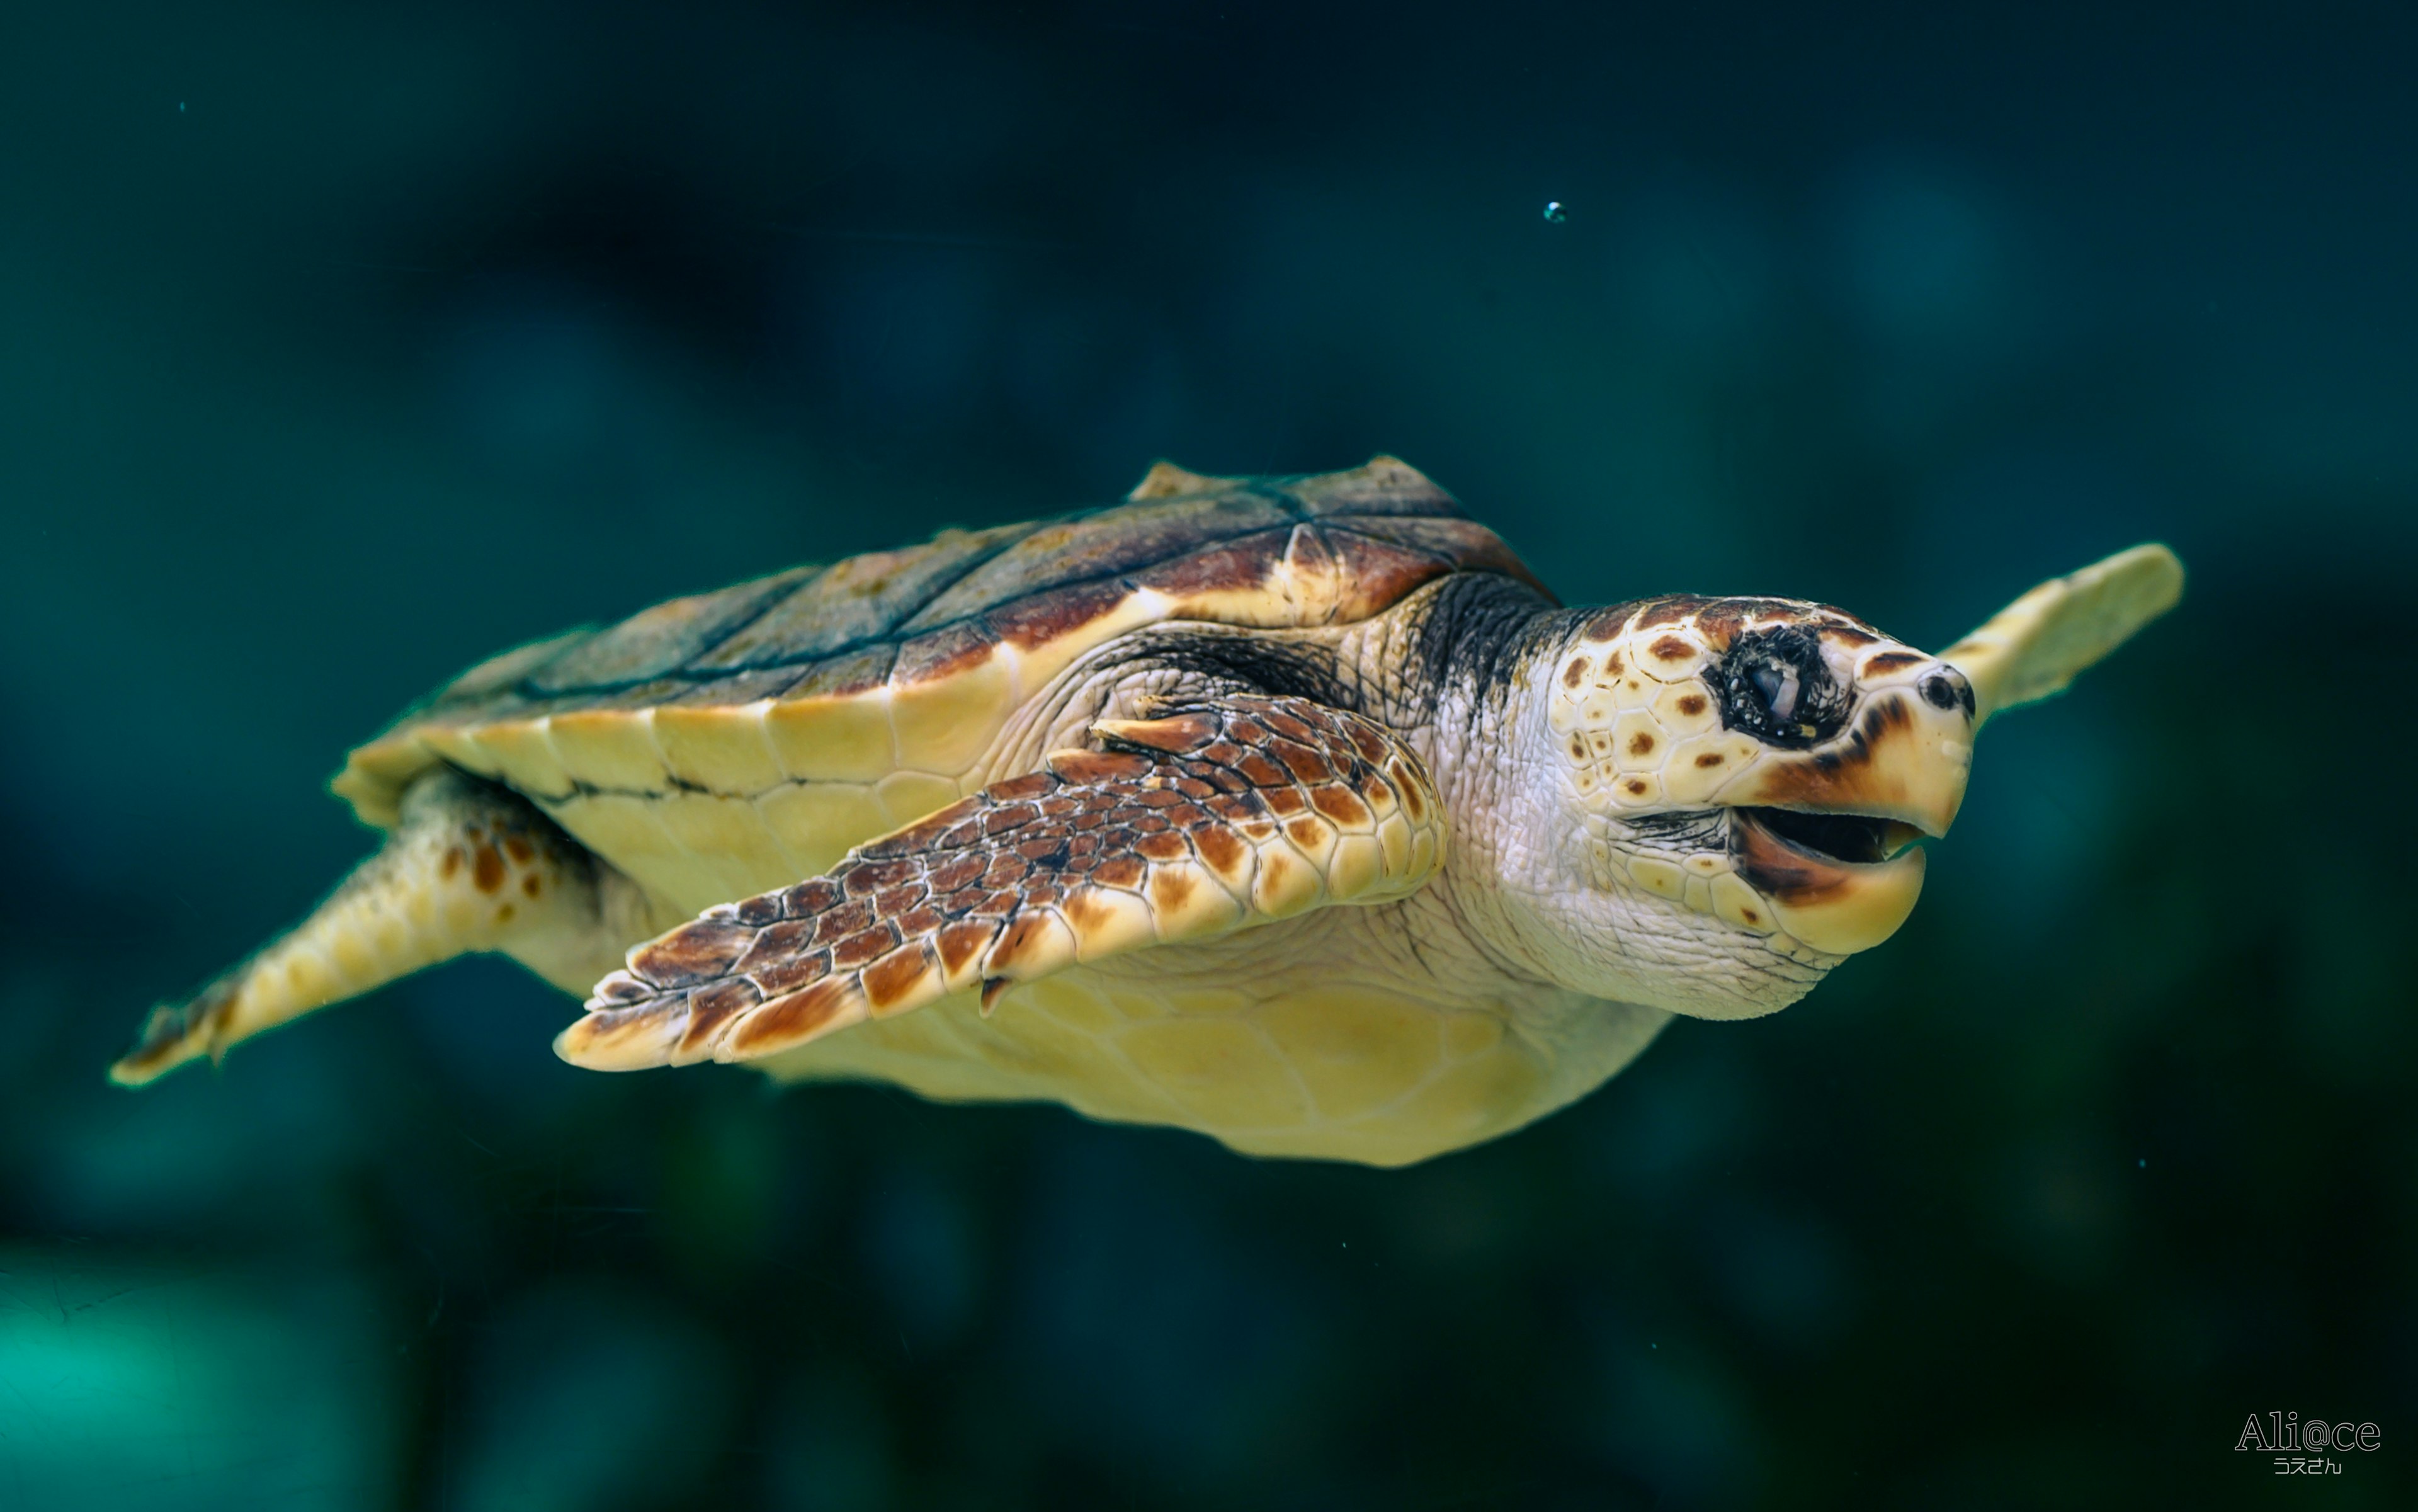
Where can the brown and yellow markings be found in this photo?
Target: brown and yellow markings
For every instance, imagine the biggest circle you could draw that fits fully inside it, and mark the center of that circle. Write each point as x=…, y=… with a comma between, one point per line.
x=1671, y=610
x=462, y=876
x=1154, y=839
x=1607, y=625
x=1044, y=618
x=808, y=640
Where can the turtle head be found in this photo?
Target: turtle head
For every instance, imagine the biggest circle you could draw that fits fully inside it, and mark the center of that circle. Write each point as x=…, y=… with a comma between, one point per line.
x=1749, y=778
x=1755, y=774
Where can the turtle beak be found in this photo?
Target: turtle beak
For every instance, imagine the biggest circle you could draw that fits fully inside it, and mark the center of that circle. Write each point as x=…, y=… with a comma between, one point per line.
x=1837, y=906
x=1828, y=835
x=1905, y=758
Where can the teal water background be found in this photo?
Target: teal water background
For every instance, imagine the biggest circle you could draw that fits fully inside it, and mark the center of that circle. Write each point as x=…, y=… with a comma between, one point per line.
x=340, y=346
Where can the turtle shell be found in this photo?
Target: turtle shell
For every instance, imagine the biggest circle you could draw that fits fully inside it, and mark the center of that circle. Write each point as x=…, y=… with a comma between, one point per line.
x=727, y=743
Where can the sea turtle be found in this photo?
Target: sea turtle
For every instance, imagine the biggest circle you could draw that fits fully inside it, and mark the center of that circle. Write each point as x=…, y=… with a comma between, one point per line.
x=1291, y=810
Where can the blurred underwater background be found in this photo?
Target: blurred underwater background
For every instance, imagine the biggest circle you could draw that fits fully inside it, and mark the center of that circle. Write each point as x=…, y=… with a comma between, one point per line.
x=340, y=346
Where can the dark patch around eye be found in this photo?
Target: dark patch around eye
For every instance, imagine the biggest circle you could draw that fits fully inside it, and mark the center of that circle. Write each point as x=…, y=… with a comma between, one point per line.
x=1776, y=687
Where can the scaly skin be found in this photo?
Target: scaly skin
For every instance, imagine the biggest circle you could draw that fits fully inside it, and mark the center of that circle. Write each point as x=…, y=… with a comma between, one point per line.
x=470, y=867
x=1235, y=812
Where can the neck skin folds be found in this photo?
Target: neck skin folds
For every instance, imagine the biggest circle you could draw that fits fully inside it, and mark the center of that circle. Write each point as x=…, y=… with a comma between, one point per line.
x=1480, y=644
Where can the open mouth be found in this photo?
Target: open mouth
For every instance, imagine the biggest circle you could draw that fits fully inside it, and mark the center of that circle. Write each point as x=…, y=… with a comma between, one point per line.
x=1843, y=839
x=1795, y=857
x=1839, y=883
x=1836, y=883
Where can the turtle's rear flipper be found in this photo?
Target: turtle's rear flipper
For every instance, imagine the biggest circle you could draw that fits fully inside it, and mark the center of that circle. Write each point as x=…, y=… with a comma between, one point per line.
x=470, y=867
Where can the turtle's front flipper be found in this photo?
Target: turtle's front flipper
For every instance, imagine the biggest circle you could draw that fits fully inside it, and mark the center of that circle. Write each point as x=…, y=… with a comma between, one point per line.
x=2035, y=646
x=1213, y=817
x=470, y=867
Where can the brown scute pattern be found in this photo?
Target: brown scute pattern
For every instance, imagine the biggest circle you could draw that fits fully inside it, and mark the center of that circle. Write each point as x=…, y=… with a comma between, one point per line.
x=654, y=641
x=1181, y=829
x=1043, y=617
x=964, y=584
x=948, y=650
x=1237, y=555
x=833, y=677
x=1130, y=538
x=1720, y=620
x=857, y=599
x=1891, y=661
x=1671, y=611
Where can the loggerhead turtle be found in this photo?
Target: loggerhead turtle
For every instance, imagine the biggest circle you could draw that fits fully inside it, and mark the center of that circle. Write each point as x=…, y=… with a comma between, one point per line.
x=1291, y=810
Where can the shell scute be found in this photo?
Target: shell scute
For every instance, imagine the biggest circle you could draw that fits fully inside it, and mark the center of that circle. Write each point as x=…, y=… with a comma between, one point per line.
x=1087, y=548
x=805, y=713
x=856, y=600
x=1381, y=485
x=668, y=636
x=1236, y=561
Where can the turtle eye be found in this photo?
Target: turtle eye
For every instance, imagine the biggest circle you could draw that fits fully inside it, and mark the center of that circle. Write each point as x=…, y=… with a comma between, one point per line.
x=1776, y=687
